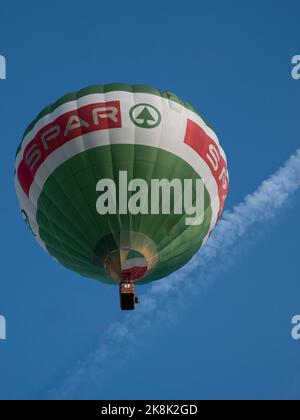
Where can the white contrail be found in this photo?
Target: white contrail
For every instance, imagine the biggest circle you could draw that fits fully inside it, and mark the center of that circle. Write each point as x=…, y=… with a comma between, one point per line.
x=163, y=299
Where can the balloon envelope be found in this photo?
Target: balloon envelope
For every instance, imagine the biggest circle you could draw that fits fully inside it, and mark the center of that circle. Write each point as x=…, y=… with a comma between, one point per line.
x=121, y=182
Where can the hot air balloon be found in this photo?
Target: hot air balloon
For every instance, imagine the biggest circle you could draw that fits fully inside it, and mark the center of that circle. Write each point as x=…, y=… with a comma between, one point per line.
x=121, y=183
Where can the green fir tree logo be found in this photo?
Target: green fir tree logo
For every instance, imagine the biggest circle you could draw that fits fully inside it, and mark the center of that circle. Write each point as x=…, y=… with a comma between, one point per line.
x=145, y=116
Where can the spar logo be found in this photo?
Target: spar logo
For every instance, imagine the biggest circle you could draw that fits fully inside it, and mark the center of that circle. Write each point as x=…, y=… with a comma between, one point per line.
x=67, y=127
x=145, y=116
x=2, y=67
x=207, y=149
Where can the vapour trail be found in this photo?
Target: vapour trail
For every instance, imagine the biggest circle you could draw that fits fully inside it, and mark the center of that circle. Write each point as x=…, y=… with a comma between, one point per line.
x=162, y=302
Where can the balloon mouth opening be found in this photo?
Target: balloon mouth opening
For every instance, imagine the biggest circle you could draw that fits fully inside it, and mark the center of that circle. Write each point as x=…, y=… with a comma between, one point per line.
x=126, y=265
x=127, y=256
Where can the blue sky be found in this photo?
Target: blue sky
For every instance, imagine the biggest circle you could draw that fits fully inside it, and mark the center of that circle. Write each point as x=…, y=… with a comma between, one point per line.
x=231, y=60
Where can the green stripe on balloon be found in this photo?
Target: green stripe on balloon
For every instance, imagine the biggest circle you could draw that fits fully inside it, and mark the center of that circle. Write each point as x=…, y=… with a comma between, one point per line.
x=78, y=237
